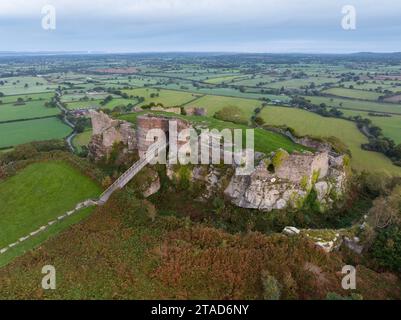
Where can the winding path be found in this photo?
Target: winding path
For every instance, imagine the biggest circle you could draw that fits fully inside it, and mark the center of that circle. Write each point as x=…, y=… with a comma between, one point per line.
x=65, y=111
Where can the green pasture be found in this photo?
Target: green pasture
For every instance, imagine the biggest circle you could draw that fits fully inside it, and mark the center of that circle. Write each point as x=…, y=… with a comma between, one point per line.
x=31, y=109
x=169, y=98
x=15, y=133
x=356, y=104
x=49, y=190
x=353, y=94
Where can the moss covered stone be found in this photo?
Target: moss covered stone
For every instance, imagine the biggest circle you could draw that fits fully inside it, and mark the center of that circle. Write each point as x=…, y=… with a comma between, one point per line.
x=279, y=157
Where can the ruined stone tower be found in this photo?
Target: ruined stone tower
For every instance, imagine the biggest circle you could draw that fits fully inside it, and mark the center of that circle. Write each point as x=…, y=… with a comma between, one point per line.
x=148, y=122
x=106, y=132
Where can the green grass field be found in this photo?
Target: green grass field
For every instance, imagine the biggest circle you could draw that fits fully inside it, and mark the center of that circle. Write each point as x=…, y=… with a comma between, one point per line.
x=96, y=103
x=371, y=85
x=356, y=105
x=224, y=79
x=43, y=96
x=354, y=94
x=169, y=98
x=307, y=123
x=391, y=126
x=32, y=109
x=14, y=133
x=255, y=80
x=119, y=102
x=215, y=103
x=16, y=85
x=299, y=83
x=83, y=104
x=74, y=97
x=82, y=139
x=49, y=189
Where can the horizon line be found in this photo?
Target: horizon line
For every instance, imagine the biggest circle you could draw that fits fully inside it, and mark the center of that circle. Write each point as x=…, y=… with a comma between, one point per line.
x=98, y=52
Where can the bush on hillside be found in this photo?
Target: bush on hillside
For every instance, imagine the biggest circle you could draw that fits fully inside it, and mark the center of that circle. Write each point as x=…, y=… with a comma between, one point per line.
x=231, y=114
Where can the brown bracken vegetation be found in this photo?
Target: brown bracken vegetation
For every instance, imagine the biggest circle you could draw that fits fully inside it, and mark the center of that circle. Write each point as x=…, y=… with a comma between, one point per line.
x=120, y=253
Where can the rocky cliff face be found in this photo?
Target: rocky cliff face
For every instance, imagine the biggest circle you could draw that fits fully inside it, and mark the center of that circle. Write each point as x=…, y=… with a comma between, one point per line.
x=288, y=183
x=279, y=181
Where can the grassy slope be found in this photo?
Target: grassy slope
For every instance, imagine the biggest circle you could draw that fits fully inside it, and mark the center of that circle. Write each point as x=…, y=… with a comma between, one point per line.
x=38, y=194
x=15, y=133
x=307, y=123
x=82, y=139
x=118, y=253
x=40, y=238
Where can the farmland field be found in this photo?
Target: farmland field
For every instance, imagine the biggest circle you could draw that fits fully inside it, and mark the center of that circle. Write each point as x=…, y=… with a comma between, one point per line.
x=391, y=125
x=298, y=83
x=394, y=99
x=307, y=123
x=356, y=104
x=14, y=133
x=82, y=139
x=43, y=96
x=215, y=103
x=118, y=102
x=50, y=189
x=226, y=92
x=354, y=94
x=25, y=85
x=74, y=97
x=169, y=98
x=84, y=104
x=32, y=109
x=224, y=79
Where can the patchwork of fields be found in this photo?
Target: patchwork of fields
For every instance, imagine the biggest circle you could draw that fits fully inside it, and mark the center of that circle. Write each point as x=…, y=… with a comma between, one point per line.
x=237, y=92
x=24, y=115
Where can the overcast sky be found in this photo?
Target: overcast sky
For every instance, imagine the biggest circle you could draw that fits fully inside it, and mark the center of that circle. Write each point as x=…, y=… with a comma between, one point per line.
x=201, y=25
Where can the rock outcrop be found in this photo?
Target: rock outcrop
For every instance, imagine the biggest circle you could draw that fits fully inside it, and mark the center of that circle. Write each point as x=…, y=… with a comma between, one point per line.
x=106, y=132
x=285, y=181
x=278, y=182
